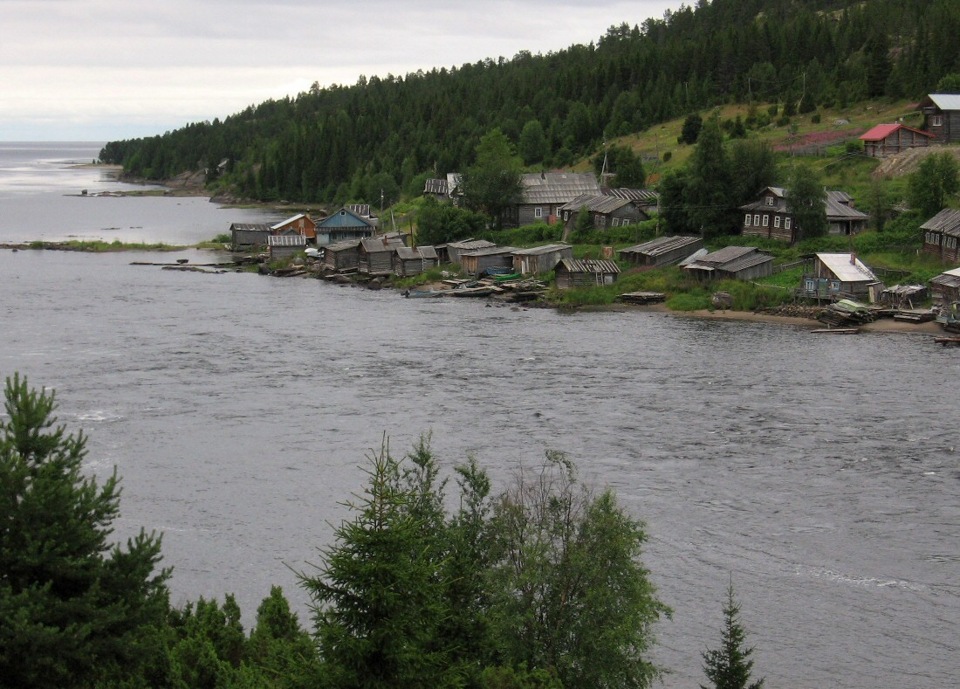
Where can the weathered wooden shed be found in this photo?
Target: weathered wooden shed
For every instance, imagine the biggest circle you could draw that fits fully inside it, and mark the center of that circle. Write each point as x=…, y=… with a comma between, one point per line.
x=572, y=272
x=841, y=276
x=605, y=211
x=945, y=288
x=342, y=256
x=245, y=236
x=890, y=139
x=941, y=235
x=413, y=260
x=454, y=249
x=479, y=261
x=732, y=262
x=375, y=256
x=662, y=251
x=285, y=245
x=540, y=259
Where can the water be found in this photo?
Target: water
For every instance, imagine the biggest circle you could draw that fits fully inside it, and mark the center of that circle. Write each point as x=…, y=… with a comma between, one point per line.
x=821, y=474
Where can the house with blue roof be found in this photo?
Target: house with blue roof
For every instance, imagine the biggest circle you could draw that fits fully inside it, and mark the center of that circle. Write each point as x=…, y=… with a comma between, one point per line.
x=343, y=225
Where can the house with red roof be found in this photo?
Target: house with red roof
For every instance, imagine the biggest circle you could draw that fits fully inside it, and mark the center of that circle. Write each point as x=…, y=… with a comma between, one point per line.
x=890, y=139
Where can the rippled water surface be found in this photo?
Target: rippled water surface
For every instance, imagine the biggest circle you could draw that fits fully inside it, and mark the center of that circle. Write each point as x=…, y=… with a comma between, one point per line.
x=820, y=473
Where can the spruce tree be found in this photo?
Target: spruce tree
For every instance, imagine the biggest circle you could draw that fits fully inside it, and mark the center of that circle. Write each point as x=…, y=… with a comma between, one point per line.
x=729, y=666
x=76, y=610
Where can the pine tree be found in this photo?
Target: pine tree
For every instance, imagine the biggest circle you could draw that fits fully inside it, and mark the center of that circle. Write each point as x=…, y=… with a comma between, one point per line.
x=729, y=666
x=75, y=609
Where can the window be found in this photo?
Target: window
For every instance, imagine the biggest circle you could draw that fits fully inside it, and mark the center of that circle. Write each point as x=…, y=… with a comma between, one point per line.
x=615, y=222
x=538, y=212
x=787, y=223
x=936, y=121
x=746, y=221
x=776, y=221
x=769, y=200
x=766, y=220
x=756, y=219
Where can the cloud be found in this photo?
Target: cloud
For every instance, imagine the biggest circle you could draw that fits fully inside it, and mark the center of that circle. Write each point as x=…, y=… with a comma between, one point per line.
x=161, y=65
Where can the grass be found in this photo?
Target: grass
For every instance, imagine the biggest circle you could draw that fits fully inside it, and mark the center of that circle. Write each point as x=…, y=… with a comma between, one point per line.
x=98, y=246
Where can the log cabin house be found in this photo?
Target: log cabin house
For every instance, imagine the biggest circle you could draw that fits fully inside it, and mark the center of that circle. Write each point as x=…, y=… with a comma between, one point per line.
x=941, y=235
x=409, y=261
x=889, y=139
x=572, y=273
x=840, y=276
x=941, y=117
x=732, y=262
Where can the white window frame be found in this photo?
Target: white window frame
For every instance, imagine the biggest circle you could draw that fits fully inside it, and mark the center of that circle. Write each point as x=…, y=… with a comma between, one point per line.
x=766, y=220
x=769, y=200
x=776, y=221
x=787, y=223
x=756, y=219
x=538, y=212
x=746, y=221
x=936, y=121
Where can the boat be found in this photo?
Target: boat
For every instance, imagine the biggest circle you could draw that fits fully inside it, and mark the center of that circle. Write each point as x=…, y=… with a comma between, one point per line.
x=425, y=293
x=948, y=317
x=836, y=331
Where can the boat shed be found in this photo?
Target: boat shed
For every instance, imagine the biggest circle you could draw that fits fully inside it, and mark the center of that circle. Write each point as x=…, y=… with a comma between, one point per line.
x=540, y=259
x=585, y=273
x=945, y=288
x=409, y=261
x=245, y=236
x=479, y=261
x=454, y=249
x=285, y=245
x=732, y=262
x=662, y=251
x=841, y=276
x=375, y=256
x=343, y=256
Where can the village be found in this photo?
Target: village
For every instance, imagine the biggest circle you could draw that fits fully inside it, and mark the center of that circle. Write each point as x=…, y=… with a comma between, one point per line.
x=351, y=245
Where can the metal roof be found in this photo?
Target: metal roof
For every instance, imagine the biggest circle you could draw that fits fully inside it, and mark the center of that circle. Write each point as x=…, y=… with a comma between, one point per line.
x=847, y=267
x=643, y=196
x=250, y=227
x=882, y=131
x=286, y=240
x=949, y=278
x=946, y=221
x=946, y=101
x=346, y=217
x=661, y=245
x=289, y=220
x=541, y=250
x=557, y=187
x=588, y=265
x=596, y=203
x=435, y=186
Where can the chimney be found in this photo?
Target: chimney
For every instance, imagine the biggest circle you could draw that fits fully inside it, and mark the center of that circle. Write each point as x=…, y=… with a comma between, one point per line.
x=853, y=259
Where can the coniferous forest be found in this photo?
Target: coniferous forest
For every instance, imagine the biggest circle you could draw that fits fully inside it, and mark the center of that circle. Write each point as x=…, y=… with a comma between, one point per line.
x=389, y=133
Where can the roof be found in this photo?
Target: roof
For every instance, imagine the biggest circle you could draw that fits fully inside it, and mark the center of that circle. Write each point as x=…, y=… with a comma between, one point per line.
x=847, y=267
x=361, y=209
x=286, y=240
x=747, y=261
x=727, y=254
x=291, y=219
x=345, y=245
x=661, y=245
x=946, y=221
x=557, y=187
x=541, y=250
x=470, y=244
x=375, y=245
x=945, y=101
x=407, y=253
x=249, y=227
x=490, y=251
x=948, y=278
x=596, y=203
x=345, y=217
x=838, y=207
x=435, y=186
x=882, y=131
x=643, y=196
x=588, y=265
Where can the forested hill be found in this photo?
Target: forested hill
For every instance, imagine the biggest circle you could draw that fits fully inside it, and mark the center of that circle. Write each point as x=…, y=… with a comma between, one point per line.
x=348, y=142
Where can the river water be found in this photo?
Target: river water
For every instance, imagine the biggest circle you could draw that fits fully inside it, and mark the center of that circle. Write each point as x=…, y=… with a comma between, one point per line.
x=821, y=474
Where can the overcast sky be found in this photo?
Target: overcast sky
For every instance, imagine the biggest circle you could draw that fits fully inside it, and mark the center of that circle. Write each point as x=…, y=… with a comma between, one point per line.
x=96, y=70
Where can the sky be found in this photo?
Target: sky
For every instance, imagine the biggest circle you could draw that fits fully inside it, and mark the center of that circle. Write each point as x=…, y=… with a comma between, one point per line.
x=101, y=70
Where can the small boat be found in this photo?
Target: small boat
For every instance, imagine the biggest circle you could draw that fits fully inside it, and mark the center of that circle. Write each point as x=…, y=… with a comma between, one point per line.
x=836, y=331
x=425, y=293
x=947, y=341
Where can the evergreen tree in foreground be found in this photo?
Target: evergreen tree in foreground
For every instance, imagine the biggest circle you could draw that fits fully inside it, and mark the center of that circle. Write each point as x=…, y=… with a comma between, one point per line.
x=729, y=666
x=75, y=610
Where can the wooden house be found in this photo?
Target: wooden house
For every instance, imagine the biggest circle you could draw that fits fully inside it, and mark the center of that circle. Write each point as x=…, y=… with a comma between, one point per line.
x=409, y=261
x=941, y=235
x=246, y=236
x=375, y=256
x=454, y=249
x=343, y=256
x=890, y=139
x=571, y=273
x=840, y=276
x=732, y=262
x=444, y=189
x=770, y=216
x=301, y=223
x=945, y=288
x=495, y=258
x=544, y=193
x=662, y=251
x=344, y=225
x=605, y=211
x=540, y=259
x=286, y=245
x=941, y=117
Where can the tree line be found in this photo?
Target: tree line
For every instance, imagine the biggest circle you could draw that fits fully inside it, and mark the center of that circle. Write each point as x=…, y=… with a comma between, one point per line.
x=386, y=135
x=539, y=586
